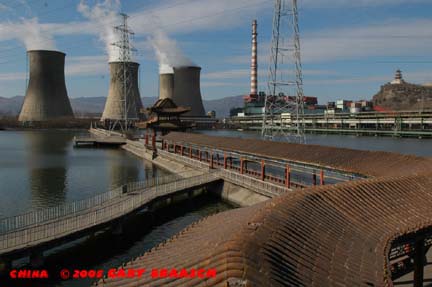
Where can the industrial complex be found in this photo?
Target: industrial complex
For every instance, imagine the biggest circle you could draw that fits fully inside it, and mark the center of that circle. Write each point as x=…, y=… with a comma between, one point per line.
x=302, y=215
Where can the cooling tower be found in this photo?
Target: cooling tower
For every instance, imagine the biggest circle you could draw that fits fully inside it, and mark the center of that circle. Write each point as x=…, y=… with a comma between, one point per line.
x=46, y=96
x=166, y=86
x=187, y=91
x=115, y=104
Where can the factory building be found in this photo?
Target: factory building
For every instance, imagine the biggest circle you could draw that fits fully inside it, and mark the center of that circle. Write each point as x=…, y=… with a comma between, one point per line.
x=46, y=96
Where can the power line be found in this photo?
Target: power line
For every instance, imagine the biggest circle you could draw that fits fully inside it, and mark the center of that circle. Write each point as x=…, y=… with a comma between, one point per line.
x=79, y=43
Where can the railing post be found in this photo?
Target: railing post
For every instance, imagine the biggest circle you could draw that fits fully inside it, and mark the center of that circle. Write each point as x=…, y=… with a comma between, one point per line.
x=241, y=165
x=211, y=159
x=314, y=178
x=175, y=148
x=225, y=160
x=322, y=177
x=199, y=155
x=287, y=176
x=146, y=138
x=262, y=170
x=181, y=150
x=190, y=152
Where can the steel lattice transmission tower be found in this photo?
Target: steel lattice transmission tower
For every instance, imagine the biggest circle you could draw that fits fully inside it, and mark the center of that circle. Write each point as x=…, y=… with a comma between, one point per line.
x=285, y=81
x=125, y=57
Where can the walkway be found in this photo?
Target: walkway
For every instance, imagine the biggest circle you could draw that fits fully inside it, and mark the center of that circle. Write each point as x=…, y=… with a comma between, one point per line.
x=23, y=232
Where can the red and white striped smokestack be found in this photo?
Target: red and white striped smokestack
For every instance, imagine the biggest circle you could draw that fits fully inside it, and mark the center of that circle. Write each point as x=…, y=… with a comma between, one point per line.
x=254, y=59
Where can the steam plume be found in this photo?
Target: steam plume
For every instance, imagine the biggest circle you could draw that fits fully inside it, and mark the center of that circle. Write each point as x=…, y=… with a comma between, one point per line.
x=30, y=32
x=104, y=15
x=168, y=53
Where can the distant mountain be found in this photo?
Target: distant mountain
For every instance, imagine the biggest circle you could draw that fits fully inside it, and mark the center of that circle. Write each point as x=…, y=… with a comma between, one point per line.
x=222, y=106
x=11, y=106
x=95, y=105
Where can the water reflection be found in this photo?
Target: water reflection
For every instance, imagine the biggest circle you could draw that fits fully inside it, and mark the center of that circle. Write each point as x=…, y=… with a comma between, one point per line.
x=39, y=169
x=47, y=165
x=121, y=170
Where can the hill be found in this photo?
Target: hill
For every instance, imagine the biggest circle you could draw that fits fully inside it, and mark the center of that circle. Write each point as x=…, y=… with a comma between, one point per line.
x=95, y=105
x=404, y=96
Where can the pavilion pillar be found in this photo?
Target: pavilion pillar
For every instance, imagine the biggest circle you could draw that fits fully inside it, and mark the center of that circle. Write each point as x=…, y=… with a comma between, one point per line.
x=190, y=152
x=181, y=150
x=262, y=170
x=314, y=178
x=419, y=261
x=199, y=155
x=154, y=140
x=241, y=166
x=211, y=160
x=146, y=138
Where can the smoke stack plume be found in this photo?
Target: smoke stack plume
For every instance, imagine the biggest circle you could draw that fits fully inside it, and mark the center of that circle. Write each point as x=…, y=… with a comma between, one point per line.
x=254, y=59
x=46, y=96
x=187, y=90
x=166, y=86
x=115, y=104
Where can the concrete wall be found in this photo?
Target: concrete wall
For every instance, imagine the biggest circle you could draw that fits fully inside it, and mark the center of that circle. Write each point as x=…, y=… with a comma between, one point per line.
x=187, y=91
x=46, y=96
x=115, y=105
x=166, y=86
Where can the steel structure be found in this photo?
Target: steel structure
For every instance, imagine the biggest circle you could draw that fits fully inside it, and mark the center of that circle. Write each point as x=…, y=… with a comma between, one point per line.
x=124, y=75
x=285, y=81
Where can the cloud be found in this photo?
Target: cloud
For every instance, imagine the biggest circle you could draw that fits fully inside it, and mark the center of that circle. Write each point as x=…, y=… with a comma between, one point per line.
x=206, y=84
x=392, y=38
x=245, y=73
x=355, y=3
x=193, y=15
x=3, y=7
x=86, y=66
x=12, y=76
x=418, y=77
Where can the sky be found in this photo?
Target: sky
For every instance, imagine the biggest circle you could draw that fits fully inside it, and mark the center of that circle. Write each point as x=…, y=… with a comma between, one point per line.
x=348, y=48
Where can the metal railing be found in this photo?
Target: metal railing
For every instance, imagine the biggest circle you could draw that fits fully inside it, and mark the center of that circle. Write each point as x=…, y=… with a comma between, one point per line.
x=39, y=216
x=256, y=185
x=61, y=226
x=259, y=186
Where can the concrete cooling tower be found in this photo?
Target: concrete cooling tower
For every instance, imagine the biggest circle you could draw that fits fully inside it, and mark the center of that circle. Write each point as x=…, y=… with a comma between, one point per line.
x=166, y=86
x=46, y=96
x=187, y=91
x=115, y=105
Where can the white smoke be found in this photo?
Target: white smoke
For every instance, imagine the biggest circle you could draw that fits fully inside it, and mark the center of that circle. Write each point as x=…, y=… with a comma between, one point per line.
x=168, y=53
x=30, y=32
x=105, y=15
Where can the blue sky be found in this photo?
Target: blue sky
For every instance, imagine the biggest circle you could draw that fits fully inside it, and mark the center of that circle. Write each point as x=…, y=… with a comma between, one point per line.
x=349, y=48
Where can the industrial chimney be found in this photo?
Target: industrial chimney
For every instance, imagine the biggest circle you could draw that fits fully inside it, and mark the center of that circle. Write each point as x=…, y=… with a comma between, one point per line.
x=115, y=104
x=254, y=60
x=187, y=91
x=166, y=86
x=46, y=96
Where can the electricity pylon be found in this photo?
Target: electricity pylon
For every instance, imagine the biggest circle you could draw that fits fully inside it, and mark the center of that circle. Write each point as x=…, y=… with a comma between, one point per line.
x=284, y=101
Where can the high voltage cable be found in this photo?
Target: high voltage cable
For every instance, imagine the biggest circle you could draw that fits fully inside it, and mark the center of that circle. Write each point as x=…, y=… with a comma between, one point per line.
x=102, y=25
x=77, y=43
